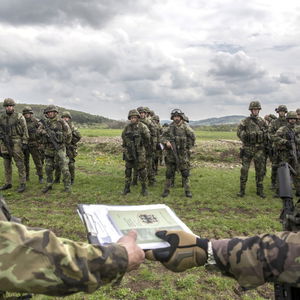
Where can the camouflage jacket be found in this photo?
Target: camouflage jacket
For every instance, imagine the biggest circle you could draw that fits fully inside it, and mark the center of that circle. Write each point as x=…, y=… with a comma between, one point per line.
x=252, y=261
x=253, y=131
x=152, y=131
x=37, y=261
x=282, y=137
x=61, y=132
x=15, y=126
x=32, y=125
x=275, y=125
x=136, y=139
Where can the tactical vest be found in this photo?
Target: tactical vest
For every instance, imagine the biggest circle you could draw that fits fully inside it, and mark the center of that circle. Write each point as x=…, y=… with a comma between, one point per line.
x=12, y=125
x=255, y=131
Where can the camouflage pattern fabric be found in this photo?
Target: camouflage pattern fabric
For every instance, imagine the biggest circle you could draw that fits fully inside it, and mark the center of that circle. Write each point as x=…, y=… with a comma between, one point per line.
x=33, y=147
x=63, y=136
x=18, y=133
x=284, y=149
x=141, y=142
x=184, y=138
x=36, y=261
x=252, y=131
x=252, y=261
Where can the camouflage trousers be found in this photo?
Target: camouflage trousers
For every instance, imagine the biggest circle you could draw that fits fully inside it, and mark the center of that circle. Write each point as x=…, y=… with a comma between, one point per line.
x=170, y=175
x=36, y=156
x=258, y=156
x=60, y=158
x=71, y=170
x=18, y=157
x=140, y=170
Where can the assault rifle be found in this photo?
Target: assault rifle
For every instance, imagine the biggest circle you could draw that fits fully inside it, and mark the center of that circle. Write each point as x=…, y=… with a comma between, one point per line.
x=51, y=135
x=290, y=220
x=174, y=150
x=291, y=139
x=6, y=139
x=132, y=146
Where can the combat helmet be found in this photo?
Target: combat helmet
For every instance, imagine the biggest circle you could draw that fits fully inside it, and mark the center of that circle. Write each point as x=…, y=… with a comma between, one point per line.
x=66, y=114
x=133, y=113
x=281, y=108
x=9, y=102
x=291, y=115
x=50, y=108
x=254, y=105
x=27, y=110
x=185, y=118
x=298, y=111
x=141, y=109
x=176, y=112
x=155, y=118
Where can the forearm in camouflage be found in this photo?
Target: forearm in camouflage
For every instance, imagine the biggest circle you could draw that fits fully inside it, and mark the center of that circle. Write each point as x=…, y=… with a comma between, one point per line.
x=36, y=261
x=255, y=260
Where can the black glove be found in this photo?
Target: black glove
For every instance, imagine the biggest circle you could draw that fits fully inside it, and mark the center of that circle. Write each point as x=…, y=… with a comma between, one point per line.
x=25, y=147
x=186, y=250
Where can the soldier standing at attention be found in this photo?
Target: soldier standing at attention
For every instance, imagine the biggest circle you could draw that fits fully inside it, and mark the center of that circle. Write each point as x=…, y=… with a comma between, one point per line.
x=273, y=127
x=55, y=134
x=136, y=139
x=252, y=131
x=71, y=148
x=178, y=139
x=287, y=142
x=13, y=141
x=33, y=144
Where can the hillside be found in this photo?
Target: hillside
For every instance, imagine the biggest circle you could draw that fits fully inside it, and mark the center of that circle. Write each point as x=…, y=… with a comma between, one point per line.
x=79, y=117
x=234, y=119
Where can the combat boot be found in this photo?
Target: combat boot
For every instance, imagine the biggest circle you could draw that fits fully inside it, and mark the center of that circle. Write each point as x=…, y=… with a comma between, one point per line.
x=47, y=188
x=260, y=191
x=72, y=181
x=126, y=189
x=134, y=181
x=242, y=191
x=21, y=188
x=41, y=179
x=166, y=191
x=57, y=180
x=6, y=186
x=188, y=194
x=67, y=189
x=144, y=191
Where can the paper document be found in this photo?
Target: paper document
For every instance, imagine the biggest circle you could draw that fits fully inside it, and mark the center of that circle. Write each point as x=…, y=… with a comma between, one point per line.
x=106, y=224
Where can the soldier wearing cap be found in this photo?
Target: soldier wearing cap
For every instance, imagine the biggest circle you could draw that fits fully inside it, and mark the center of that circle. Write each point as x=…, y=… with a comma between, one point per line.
x=272, y=129
x=136, y=139
x=70, y=148
x=55, y=134
x=252, y=131
x=33, y=144
x=287, y=142
x=178, y=139
x=13, y=141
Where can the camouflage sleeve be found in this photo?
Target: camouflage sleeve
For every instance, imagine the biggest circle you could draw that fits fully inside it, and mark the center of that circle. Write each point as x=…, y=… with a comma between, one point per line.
x=67, y=132
x=241, y=131
x=36, y=261
x=23, y=124
x=191, y=136
x=279, y=137
x=264, y=258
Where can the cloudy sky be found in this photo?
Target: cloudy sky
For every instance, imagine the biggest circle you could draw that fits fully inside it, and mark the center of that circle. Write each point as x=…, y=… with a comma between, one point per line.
x=209, y=58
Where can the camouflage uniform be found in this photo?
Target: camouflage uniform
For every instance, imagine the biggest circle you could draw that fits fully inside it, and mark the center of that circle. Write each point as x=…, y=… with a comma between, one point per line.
x=282, y=141
x=183, y=137
x=13, y=126
x=273, y=127
x=62, y=135
x=137, y=136
x=152, y=146
x=37, y=261
x=252, y=131
x=71, y=148
x=158, y=150
x=33, y=144
x=298, y=114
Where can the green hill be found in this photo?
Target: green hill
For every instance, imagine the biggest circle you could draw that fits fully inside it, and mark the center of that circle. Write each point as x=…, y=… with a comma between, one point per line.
x=81, y=118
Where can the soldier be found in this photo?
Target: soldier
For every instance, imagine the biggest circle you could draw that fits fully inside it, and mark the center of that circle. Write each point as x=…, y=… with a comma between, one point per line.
x=136, y=139
x=298, y=114
x=287, y=143
x=55, y=134
x=252, y=131
x=13, y=141
x=158, y=150
x=269, y=118
x=252, y=261
x=273, y=127
x=33, y=144
x=37, y=261
x=178, y=139
x=71, y=148
x=144, y=111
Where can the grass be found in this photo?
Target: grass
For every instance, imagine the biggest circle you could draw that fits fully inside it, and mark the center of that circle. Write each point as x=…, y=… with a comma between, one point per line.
x=214, y=212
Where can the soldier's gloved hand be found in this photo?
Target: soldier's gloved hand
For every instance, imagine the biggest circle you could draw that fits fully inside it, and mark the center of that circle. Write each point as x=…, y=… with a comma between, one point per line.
x=25, y=147
x=186, y=250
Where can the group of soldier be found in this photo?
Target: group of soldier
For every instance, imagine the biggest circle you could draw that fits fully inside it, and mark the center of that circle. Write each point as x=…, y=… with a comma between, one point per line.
x=276, y=138
x=51, y=141
x=146, y=142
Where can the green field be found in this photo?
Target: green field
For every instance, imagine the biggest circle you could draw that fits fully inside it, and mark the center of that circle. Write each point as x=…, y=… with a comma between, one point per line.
x=214, y=212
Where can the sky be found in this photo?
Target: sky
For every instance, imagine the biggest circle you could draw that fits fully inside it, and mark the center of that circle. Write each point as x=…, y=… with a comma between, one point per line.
x=208, y=58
